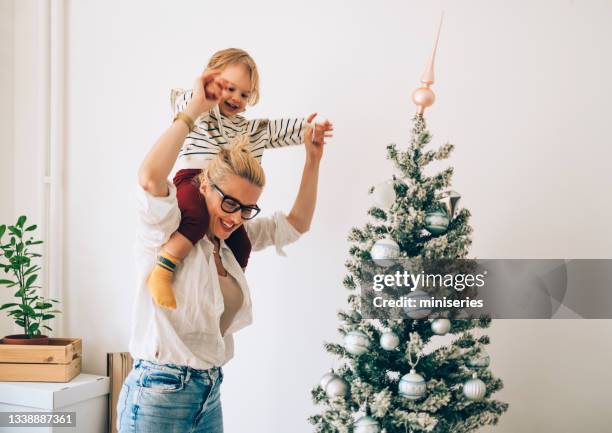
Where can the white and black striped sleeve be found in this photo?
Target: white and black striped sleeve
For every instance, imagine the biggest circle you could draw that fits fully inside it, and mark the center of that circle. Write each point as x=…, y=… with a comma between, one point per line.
x=179, y=98
x=283, y=132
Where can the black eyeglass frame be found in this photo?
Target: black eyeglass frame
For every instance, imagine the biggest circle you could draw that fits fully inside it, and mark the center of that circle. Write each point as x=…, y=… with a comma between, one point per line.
x=241, y=207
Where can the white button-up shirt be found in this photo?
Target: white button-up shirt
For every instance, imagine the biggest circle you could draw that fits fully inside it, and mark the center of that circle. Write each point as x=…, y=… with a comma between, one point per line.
x=190, y=334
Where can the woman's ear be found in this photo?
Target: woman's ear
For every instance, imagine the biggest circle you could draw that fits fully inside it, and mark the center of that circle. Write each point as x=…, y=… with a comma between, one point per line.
x=203, y=186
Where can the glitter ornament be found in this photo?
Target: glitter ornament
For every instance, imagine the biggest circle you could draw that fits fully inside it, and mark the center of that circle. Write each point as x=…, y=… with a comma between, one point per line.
x=356, y=342
x=389, y=340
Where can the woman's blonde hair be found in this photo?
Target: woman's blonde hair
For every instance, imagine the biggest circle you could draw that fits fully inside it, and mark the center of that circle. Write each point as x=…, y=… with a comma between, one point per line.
x=237, y=160
x=230, y=56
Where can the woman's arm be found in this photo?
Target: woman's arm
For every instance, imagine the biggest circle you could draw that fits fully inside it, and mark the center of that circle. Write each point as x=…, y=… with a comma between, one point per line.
x=301, y=214
x=158, y=163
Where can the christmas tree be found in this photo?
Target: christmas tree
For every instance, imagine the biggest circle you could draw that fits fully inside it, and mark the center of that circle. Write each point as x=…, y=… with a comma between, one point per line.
x=386, y=380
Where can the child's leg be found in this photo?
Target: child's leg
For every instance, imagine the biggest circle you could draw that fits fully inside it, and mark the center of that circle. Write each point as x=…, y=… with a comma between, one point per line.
x=240, y=245
x=194, y=221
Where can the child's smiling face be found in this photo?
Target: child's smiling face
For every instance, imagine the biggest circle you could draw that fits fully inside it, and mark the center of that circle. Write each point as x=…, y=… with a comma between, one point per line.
x=237, y=89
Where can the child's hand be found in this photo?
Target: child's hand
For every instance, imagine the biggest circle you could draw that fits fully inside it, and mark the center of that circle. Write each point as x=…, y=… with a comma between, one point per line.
x=314, y=137
x=321, y=130
x=207, y=90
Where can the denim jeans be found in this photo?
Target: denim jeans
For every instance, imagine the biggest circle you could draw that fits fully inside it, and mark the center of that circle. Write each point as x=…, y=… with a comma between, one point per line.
x=167, y=398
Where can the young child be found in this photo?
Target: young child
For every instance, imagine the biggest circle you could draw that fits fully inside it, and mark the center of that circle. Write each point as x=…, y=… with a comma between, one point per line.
x=239, y=81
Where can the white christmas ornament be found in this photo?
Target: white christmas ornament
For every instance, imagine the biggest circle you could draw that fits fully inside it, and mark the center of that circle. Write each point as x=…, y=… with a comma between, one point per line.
x=412, y=385
x=417, y=310
x=326, y=378
x=389, y=340
x=385, y=251
x=474, y=389
x=441, y=326
x=356, y=342
x=384, y=194
x=337, y=387
x=366, y=424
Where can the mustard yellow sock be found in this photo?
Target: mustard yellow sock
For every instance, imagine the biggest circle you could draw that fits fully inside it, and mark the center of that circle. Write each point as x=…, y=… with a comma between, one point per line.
x=160, y=280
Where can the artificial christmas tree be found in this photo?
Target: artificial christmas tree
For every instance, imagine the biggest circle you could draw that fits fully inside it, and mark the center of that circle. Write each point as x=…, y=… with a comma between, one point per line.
x=387, y=381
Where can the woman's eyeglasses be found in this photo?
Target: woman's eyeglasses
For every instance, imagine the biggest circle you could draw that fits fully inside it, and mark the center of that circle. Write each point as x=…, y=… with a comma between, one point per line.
x=230, y=205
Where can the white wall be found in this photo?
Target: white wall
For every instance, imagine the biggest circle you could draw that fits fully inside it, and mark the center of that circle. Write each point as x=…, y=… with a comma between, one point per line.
x=522, y=90
x=6, y=128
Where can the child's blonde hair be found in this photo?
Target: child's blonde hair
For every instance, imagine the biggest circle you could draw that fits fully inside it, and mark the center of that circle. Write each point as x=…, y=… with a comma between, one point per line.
x=237, y=160
x=230, y=56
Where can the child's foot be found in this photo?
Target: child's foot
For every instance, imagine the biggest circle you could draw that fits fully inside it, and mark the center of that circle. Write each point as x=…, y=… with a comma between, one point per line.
x=160, y=280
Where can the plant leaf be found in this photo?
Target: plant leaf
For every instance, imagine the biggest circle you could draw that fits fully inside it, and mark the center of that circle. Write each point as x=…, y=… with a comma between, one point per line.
x=21, y=221
x=15, y=231
x=27, y=309
x=2, y=230
x=5, y=306
x=46, y=327
x=30, y=280
x=33, y=327
x=32, y=227
x=47, y=316
x=6, y=282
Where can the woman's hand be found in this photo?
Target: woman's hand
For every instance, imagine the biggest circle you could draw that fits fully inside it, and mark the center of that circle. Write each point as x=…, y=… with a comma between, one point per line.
x=314, y=137
x=207, y=90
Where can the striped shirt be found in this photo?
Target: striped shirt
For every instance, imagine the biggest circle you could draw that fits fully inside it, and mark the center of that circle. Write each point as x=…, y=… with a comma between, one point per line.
x=205, y=139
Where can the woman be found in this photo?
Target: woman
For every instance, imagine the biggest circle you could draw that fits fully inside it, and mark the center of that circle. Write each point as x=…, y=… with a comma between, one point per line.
x=178, y=353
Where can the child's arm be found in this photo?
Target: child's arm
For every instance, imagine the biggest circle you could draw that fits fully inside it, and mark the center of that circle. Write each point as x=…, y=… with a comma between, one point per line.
x=275, y=133
x=287, y=132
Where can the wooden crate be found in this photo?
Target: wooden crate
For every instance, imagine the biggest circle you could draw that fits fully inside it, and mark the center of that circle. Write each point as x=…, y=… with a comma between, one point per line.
x=59, y=361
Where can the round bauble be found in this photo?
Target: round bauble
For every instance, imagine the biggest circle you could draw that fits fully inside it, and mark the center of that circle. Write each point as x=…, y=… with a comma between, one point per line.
x=418, y=311
x=436, y=222
x=385, y=251
x=366, y=424
x=389, y=340
x=326, y=378
x=412, y=386
x=384, y=194
x=474, y=389
x=423, y=97
x=337, y=387
x=356, y=342
x=441, y=326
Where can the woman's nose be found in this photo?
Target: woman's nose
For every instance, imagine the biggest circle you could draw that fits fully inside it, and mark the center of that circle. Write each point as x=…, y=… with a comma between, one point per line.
x=236, y=218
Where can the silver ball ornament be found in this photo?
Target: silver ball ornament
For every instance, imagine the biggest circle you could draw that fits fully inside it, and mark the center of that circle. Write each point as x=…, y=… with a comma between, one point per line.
x=389, y=340
x=366, y=424
x=436, y=222
x=385, y=251
x=356, y=342
x=417, y=312
x=337, y=387
x=441, y=326
x=474, y=389
x=384, y=194
x=326, y=378
x=412, y=386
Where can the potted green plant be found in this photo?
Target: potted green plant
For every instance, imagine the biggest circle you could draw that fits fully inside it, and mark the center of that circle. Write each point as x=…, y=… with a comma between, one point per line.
x=16, y=259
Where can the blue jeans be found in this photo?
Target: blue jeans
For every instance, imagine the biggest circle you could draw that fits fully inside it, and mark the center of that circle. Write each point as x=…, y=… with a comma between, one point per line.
x=168, y=398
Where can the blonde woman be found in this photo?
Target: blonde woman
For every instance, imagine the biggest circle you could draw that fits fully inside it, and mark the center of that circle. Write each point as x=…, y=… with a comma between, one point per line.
x=179, y=353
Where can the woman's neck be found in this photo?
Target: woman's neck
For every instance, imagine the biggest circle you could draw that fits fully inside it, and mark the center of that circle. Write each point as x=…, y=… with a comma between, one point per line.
x=216, y=242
